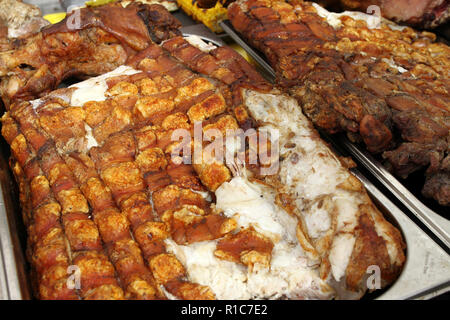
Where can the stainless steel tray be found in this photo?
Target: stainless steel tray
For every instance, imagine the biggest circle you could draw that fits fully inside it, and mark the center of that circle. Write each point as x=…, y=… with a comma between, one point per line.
x=415, y=280
x=433, y=221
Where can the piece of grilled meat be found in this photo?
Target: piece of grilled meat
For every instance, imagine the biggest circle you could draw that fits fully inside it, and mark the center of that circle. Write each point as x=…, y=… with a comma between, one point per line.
x=88, y=42
x=386, y=87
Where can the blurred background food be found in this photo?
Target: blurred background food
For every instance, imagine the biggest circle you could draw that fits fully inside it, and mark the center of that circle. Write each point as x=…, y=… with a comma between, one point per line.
x=418, y=13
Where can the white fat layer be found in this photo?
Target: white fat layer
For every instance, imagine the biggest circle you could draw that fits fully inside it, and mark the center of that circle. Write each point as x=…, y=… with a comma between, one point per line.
x=334, y=19
x=249, y=205
x=348, y=211
x=310, y=172
x=197, y=42
x=94, y=89
x=91, y=142
x=317, y=220
x=289, y=275
x=394, y=26
x=36, y=103
x=340, y=253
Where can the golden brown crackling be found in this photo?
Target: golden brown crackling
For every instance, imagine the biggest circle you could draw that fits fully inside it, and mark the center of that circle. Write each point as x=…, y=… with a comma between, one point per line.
x=150, y=236
x=48, y=238
x=113, y=225
x=82, y=234
x=95, y=271
x=118, y=148
x=209, y=107
x=166, y=267
x=53, y=284
x=105, y=292
x=65, y=126
x=184, y=176
x=177, y=120
x=151, y=160
x=39, y=189
x=224, y=124
x=119, y=119
x=140, y=289
x=148, y=107
x=98, y=195
x=72, y=200
x=123, y=179
x=173, y=197
x=46, y=241
x=114, y=228
x=194, y=88
x=20, y=149
x=189, y=291
x=122, y=88
x=137, y=209
x=50, y=249
x=247, y=247
x=147, y=87
x=145, y=137
x=212, y=175
x=191, y=224
x=134, y=202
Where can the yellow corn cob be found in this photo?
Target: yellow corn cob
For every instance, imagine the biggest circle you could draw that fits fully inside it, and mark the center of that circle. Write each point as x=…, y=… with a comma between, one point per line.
x=55, y=17
x=209, y=17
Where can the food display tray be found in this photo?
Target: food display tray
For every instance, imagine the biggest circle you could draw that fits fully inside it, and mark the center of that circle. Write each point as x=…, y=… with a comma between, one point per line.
x=426, y=273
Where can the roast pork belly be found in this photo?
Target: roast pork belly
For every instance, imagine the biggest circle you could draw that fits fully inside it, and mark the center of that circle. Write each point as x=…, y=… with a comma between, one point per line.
x=384, y=85
x=89, y=42
x=110, y=189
